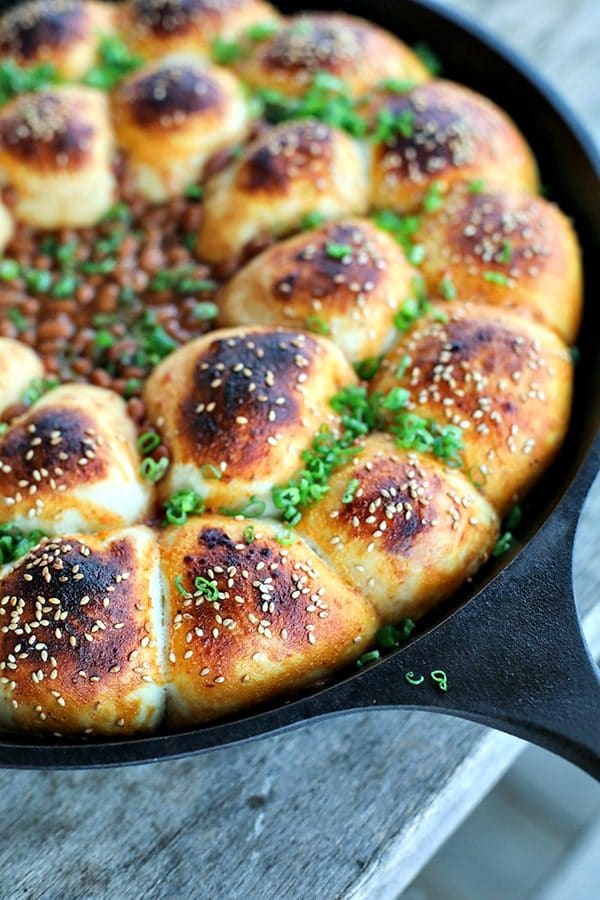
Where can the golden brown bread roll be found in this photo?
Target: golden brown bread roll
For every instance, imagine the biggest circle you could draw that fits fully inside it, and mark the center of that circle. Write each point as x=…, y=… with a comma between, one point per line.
x=444, y=133
x=55, y=152
x=237, y=407
x=19, y=365
x=287, y=172
x=155, y=28
x=401, y=527
x=171, y=117
x=71, y=464
x=352, y=49
x=346, y=279
x=251, y=620
x=504, y=380
x=81, y=636
x=507, y=248
x=61, y=32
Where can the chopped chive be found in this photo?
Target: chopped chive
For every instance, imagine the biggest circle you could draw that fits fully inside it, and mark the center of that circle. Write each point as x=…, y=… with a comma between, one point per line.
x=18, y=319
x=317, y=325
x=338, y=251
x=366, y=658
x=447, y=288
x=181, y=505
x=350, y=491
x=367, y=368
x=225, y=52
x=434, y=198
x=506, y=254
x=206, y=588
x=496, y=278
x=194, y=192
x=148, y=442
x=262, y=31
x=9, y=269
x=312, y=220
x=477, y=186
x=153, y=470
x=208, y=470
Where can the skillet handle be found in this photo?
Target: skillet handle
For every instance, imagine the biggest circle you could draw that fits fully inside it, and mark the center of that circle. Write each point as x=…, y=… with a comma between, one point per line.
x=514, y=657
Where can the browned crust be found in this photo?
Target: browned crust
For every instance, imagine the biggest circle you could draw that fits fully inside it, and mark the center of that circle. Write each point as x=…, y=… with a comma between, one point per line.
x=32, y=30
x=73, y=630
x=286, y=154
x=47, y=132
x=254, y=382
x=169, y=95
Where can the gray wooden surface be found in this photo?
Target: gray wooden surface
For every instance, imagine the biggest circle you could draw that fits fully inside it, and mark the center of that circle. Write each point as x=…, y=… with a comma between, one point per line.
x=346, y=808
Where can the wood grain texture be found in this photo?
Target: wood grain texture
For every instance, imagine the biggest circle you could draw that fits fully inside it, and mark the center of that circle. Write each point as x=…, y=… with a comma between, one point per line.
x=347, y=808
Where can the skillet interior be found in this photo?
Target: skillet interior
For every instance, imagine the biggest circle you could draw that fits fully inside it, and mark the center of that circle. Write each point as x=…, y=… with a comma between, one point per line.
x=570, y=168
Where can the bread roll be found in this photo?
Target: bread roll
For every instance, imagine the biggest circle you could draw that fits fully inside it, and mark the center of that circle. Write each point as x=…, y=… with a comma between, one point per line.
x=155, y=28
x=505, y=381
x=346, y=278
x=401, y=527
x=237, y=407
x=187, y=110
x=250, y=621
x=288, y=171
x=55, y=152
x=19, y=365
x=71, y=464
x=507, y=248
x=445, y=133
x=81, y=636
x=63, y=33
x=352, y=49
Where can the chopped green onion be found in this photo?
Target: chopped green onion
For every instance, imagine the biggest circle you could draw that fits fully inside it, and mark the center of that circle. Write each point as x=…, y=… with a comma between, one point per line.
x=338, y=251
x=350, y=491
x=37, y=388
x=396, y=85
x=440, y=678
x=64, y=287
x=248, y=534
x=225, y=52
x=18, y=319
x=366, y=658
x=9, y=269
x=477, y=186
x=208, y=470
x=148, y=442
x=205, y=311
x=206, y=588
x=434, y=198
x=153, y=470
x=285, y=538
x=194, y=192
x=368, y=368
x=317, y=325
x=15, y=543
x=312, y=220
x=262, y=31
x=181, y=505
x=496, y=278
x=430, y=60
x=392, y=124
x=447, y=288
x=506, y=254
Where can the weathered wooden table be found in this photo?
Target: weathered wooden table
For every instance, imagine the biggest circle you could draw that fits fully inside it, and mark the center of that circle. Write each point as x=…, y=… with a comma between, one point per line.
x=348, y=808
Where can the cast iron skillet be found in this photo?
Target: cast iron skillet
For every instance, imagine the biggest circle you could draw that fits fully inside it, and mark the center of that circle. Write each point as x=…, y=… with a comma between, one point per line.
x=510, y=643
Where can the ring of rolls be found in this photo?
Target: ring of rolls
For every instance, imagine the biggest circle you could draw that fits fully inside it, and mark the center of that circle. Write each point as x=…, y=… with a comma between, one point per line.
x=114, y=624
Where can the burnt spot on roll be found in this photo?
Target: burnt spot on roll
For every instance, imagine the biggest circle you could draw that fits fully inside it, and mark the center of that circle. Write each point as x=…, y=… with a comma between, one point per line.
x=439, y=132
x=229, y=591
x=31, y=29
x=166, y=18
x=172, y=93
x=243, y=391
x=323, y=270
x=287, y=154
x=43, y=131
x=65, y=619
x=394, y=502
x=315, y=43
x=51, y=449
